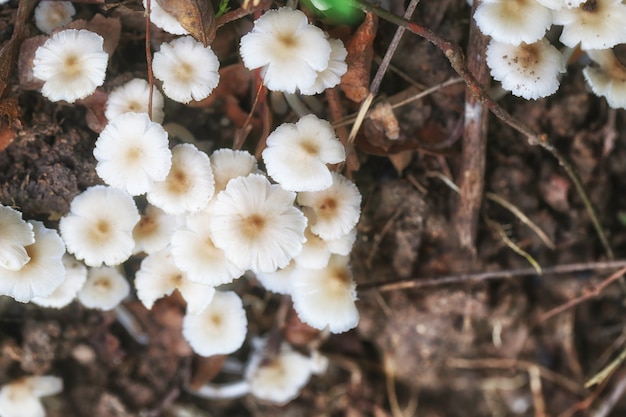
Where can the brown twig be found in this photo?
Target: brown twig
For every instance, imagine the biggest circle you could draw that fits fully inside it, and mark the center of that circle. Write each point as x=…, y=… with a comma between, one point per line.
x=594, y=292
x=490, y=275
x=149, y=60
x=472, y=173
x=454, y=54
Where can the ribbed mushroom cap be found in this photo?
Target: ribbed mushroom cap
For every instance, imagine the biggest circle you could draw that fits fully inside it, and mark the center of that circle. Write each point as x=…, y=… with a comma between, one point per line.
x=133, y=97
x=16, y=234
x=513, y=21
x=104, y=289
x=50, y=15
x=608, y=78
x=64, y=294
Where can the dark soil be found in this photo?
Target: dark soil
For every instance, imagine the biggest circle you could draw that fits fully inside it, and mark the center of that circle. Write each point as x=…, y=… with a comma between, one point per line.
x=462, y=347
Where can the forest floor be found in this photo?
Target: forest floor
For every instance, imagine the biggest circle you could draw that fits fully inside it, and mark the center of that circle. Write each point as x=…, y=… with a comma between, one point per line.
x=456, y=334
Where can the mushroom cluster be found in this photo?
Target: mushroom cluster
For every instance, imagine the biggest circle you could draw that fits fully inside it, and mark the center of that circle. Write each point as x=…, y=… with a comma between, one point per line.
x=528, y=65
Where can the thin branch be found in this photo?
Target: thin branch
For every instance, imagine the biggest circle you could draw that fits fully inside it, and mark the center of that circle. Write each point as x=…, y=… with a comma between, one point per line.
x=149, y=59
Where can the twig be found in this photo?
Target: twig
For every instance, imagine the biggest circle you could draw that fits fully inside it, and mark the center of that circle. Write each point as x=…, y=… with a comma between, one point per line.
x=535, y=388
x=607, y=405
x=454, y=54
x=497, y=227
x=606, y=372
x=149, y=59
x=594, y=292
x=380, y=73
x=490, y=275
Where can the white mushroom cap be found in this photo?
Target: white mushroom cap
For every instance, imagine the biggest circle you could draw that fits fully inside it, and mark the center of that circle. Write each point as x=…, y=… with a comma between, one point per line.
x=608, y=79
x=280, y=379
x=189, y=185
x=64, y=294
x=21, y=398
x=528, y=71
x=154, y=230
x=188, y=69
x=164, y=20
x=335, y=211
x=596, y=24
x=325, y=297
x=559, y=4
x=278, y=281
x=72, y=63
x=43, y=273
x=228, y=164
x=220, y=329
x=297, y=154
x=196, y=254
x=513, y=21
x=132, y=153
x=256, y=224
x=331, y=76
x=104, y=289
x=159, y=276
x=16, y=234
x=133, y=97
x=289, y=50
x=99, y=227
x=50, y=15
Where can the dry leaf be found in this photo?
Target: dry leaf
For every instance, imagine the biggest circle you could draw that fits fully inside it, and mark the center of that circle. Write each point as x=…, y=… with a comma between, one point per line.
x=401, y=160
x=197, y=16
x=25, y=63
x=205, y=369
x=383, y=119
x=96, y=105
x=355, y=82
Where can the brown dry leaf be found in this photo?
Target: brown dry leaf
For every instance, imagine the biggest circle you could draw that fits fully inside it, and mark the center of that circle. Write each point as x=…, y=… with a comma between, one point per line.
x=96, y=105
x=197, y=16
x=25, y=63
x=401, y=160
x=9, y=120
x=205, y=369
x=355, y=82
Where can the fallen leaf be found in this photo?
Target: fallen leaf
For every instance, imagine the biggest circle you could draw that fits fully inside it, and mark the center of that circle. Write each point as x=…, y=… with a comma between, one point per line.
x=205, y=369
x=197, y=16
x=96, y=105
x=355, y=82
x=25, y=63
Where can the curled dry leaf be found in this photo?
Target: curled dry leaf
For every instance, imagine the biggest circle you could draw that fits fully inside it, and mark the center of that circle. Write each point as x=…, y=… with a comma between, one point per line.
x=196, y=16
x=355, y=82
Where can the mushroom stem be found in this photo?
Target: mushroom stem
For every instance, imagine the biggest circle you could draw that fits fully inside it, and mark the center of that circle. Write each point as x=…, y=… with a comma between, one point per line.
x=130, y=323
x=226, y=391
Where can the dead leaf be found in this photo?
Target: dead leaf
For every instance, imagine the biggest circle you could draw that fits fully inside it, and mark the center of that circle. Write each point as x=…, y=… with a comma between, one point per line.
x=355, y=82
x=401, y=160
x=25, y=63
x=197, y=16
x=96, y=105
x=205, y=369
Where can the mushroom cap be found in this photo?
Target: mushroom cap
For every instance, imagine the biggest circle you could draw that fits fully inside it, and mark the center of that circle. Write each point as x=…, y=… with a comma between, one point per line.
x=326, y=297
x=164, y=20
x=43, y=273
x=597, y=24
x=528, y=71
x=159, y=276
x=189, y=185
x=559, y=4
x=64, y=294
x=133, y=97
x=331, y=76
x=228, y=164
x=50, y=15
x=334, y=211
x=20, y=398
x=16, y=234
x=608, y=79
x=72, y=63
x=99, y=227
x=195, y=253
x=297, y=154
x=154, y=230
x=188, y=69
x=281, y=378
x=513, y=21
x=256, y=224
x=104, y=289
x=220, y=329
x=289, y=50
x=132, y=153
x=278, y=281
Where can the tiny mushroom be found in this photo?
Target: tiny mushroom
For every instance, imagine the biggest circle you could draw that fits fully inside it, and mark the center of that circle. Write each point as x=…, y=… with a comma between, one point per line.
x=188, y=70
x=154, y=230
x=530, y=71
x=72, y=63
x=164, y=20
x=50, y=15
x=132, y=153
x=189, y=185
x=133, y=97
x=607, y=78
x=334, y=211
x=44, y=271
x=104, y=289
x=20, y=398
x=220, y=329
x=228, y=164
x=331, y=76
x=99, y=227
x=159, y=276
x=513, y=21
x=290, y=51
x=297, y=154
x=75, y=277
x=256, y=224
x=326, y=297
x=16, y=234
